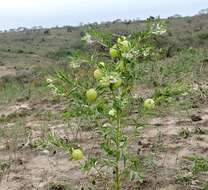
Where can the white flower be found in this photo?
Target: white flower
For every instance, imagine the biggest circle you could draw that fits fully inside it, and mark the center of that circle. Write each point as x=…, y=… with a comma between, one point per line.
x=75, y=64
x=87, y=38
x=112, y=112
x=49, y=80
x=158, y=29
x=107, y=125
x=128, y=55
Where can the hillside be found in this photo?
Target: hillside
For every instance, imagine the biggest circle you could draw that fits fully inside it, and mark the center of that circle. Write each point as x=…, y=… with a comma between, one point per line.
x=38, y=48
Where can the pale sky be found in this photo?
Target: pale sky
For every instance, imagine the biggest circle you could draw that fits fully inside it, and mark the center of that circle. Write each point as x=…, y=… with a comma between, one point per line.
x=47, y=13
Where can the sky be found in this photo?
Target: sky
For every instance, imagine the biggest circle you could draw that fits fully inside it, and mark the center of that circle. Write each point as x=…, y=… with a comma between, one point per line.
x=48, y=13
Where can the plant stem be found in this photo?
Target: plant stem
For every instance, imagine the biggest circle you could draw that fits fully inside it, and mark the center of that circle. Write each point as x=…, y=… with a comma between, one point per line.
x=117, y=178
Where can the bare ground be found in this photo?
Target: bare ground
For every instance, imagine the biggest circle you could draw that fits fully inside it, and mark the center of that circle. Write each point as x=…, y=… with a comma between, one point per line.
x=32, y=168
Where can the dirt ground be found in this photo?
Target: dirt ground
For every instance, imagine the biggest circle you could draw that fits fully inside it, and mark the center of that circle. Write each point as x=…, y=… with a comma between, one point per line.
x=32, y=169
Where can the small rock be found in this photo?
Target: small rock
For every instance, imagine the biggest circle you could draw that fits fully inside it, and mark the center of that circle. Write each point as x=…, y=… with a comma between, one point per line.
x=45, y=152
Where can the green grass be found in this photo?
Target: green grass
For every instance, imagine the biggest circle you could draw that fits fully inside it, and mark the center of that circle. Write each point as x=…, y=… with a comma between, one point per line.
x=205, y=187
x=186, y=66
x=195, y=170
x=11, y=92
x=14, y=136
x=4, y=166
x=199, y=163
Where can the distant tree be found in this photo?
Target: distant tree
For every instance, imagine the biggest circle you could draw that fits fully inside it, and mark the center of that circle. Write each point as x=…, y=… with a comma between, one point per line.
x=203, y=11
x=11, y=30
x=176, y=16
x=46, y=31
x=94, y=24
x=69, y=28
x=127, y=22
x=117, y=21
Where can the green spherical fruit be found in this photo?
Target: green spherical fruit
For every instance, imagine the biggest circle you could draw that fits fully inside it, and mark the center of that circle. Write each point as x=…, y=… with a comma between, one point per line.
x=117, y=83
x=114, y=52
x=91, y=95
x=149, y=104
x=98, y=74
x=77, y=154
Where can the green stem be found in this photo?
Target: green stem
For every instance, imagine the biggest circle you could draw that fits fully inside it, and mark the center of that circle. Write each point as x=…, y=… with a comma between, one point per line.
x=117, y=170
x=117, y=178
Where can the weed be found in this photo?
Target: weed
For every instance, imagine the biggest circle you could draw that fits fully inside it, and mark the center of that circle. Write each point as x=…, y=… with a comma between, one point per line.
x=205, y=187
x=109, y=99
x=4, y=166
x=170, y=93
x=185, y=178
x=184, y=133
x=199, y=164
x=54, y=140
